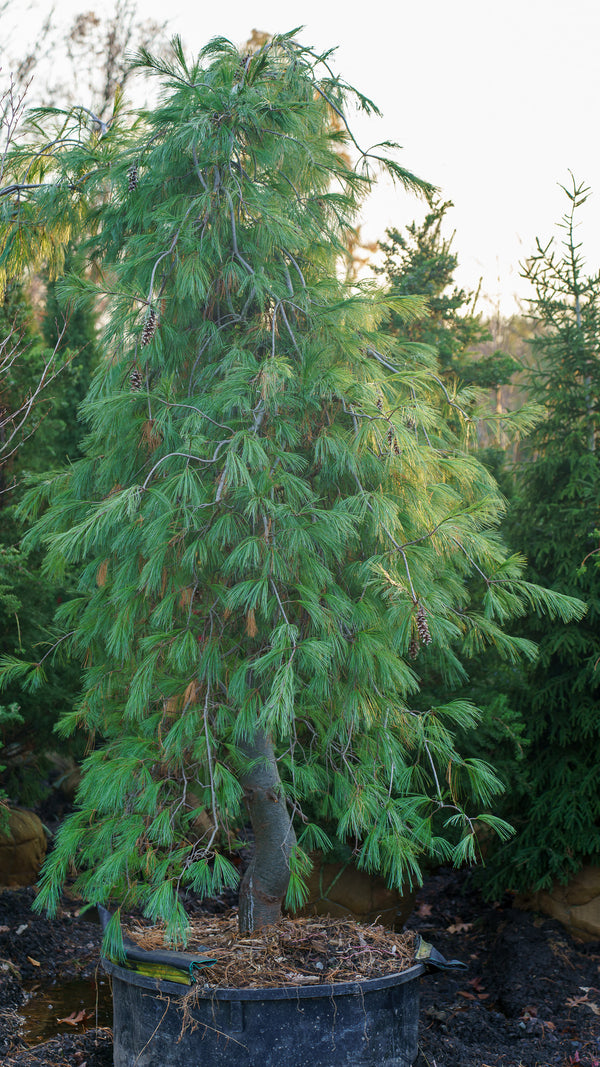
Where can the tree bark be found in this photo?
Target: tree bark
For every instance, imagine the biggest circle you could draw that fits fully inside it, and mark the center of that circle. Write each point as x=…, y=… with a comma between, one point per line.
x=265, y=882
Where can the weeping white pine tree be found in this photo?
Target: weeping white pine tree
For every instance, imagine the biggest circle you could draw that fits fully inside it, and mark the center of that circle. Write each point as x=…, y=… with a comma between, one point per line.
x=273, y=521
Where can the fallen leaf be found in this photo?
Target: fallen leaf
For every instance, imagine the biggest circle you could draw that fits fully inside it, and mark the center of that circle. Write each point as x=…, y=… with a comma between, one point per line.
x=424, y=910
x=577, y=1002
x=458, y=927
x=36, y=963
x=74, y=1018
x=463, y=993
x=483, y=996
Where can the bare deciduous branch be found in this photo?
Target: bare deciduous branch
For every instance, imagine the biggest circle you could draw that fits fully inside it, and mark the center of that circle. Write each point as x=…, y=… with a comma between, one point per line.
x=15, y=424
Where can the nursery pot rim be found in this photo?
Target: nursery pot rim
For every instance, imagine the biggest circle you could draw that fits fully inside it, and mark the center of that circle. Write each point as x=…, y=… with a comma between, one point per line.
x=287, y=992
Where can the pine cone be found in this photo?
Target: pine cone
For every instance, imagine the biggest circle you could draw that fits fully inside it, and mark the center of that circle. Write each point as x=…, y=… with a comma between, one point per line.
x=413, y=648
x=136, y=379
x=149, y=327
x=379, y=404
x=396, y=449
x=133, y=177
x=390, y=437
x=422, y=626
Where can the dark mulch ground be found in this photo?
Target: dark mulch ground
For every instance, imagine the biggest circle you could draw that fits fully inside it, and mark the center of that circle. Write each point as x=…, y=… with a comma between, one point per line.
x=531, y=996
x=48, y=971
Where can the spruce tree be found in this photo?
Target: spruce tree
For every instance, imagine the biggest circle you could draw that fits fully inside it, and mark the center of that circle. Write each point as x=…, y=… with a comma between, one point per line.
x=553, y=519
x=274, y=517
x=74, y=331
x=37, y=417
x=420, y=261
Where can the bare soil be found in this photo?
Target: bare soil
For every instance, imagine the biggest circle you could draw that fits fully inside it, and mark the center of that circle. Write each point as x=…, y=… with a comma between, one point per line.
x=530, y=997
x=49, y=982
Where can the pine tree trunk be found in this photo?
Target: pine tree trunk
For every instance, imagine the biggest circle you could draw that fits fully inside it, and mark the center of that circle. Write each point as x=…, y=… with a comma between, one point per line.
x=265, y=883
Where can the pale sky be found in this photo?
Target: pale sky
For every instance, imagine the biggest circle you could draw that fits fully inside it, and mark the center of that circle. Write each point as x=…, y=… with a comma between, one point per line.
x=494, y=102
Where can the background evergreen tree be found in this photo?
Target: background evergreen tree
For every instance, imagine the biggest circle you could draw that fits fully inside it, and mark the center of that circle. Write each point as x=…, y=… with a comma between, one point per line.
x=47, y=437
x=47, y=354
x=273, y=519
x=420, y=261
x=554, y=519
x=77, y=329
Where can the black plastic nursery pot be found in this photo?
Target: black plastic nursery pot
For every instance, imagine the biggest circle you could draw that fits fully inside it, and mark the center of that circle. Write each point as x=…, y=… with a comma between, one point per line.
x=372, y=1023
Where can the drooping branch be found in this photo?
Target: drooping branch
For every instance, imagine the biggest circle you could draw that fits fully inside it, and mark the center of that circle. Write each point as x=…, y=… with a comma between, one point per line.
x=393, y=540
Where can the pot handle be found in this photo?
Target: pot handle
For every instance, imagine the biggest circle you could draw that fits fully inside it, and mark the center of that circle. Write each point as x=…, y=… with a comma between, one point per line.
x=427, y=954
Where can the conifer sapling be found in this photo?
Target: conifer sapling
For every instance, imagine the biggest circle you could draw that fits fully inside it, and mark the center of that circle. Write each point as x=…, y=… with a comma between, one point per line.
x=271, y=522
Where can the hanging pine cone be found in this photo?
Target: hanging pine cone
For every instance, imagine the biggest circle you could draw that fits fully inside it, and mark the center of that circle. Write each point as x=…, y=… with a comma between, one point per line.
x=390, y=437
x=149, y=327
x=396, y=449
x=132, y=178
x=413, y=648
x=422, y=626
x=379, y=404
x=136, y=379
